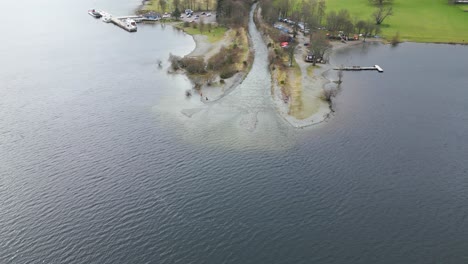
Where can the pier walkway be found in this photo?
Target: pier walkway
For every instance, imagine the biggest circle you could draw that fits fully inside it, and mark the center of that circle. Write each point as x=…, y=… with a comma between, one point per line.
x=359, y=68
x=122, y=21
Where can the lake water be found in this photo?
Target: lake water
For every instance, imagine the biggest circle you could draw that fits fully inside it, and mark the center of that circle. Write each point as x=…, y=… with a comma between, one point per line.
x=98, y=165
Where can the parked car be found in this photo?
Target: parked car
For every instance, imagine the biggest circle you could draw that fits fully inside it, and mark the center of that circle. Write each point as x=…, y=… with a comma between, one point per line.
x=208, y=15
x=309, y=58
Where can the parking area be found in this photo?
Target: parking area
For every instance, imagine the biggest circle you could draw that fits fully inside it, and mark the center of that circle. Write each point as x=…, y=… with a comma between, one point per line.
x=205, y=16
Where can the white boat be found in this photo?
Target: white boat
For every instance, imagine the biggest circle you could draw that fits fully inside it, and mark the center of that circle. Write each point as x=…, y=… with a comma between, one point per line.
x=94, y=13
x=131, y=25
x=106, y=17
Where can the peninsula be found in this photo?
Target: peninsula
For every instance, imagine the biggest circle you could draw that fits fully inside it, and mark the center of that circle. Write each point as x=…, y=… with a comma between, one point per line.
x=300, y=37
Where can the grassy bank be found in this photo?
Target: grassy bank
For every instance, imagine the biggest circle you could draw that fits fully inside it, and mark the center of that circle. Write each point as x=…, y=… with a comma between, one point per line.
x=415, y=20
x=215, y=34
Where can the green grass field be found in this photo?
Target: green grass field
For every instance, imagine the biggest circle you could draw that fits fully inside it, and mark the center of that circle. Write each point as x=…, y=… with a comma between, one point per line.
x=154, y=5
x=415, y=20
x=216, y=34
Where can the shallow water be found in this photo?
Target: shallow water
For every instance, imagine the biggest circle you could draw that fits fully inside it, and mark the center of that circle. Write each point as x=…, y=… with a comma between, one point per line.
x=98, y=165
x=244, y=117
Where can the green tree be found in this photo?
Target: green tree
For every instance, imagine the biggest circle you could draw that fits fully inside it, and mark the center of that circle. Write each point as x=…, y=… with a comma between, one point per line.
x=176, y=13
x=176, y=4
x=163, y=4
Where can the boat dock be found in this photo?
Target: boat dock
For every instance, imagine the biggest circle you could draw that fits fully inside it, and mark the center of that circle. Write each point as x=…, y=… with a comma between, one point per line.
x=359, y=68
x=122, y=24
x=127, y=23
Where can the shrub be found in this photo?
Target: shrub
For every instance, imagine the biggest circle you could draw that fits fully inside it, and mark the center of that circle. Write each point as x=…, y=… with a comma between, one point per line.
x=193, y=65
x=328, y=94
x=227, y=73
x=186, y=24
x=224, y=58
x=283, y=38
x=175, y=62
x=395, y=39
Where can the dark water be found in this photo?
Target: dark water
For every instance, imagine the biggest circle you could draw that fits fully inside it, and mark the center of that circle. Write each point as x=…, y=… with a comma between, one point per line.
x=97, y=165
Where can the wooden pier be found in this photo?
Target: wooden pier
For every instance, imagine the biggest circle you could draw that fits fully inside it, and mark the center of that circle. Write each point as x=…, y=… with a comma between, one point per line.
x=359, y=68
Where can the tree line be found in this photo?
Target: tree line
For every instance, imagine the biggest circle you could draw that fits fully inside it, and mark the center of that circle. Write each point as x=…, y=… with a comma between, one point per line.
x=233, y=13
x=313, y=14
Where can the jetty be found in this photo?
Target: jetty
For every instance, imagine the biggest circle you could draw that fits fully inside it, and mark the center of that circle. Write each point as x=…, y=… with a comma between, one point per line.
x=127, y=23
x=360, y=68
x=123, y=24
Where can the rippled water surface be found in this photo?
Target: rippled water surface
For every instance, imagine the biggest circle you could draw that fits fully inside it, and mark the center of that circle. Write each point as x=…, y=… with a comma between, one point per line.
x=98, y=165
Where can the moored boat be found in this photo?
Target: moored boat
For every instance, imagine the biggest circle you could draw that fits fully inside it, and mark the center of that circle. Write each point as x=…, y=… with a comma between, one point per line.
x=131, y=25
x=94, y=13
x=106, y=17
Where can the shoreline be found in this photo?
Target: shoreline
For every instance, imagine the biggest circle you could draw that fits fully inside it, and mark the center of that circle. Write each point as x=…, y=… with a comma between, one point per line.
x=205, y=49
x=311, y=89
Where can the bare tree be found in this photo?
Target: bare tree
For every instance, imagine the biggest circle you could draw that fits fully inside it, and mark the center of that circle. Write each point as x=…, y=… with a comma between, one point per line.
x=291, y=54
x=308, y=14
x=340, y=75
x=321, y=10
x=209, y=27
x=328, y=94
x=319, y=45
x=295, y=17
x=360, y=25
x=395, y=39
x=381, y=13
x=201, y=25
x=269, y=11
x=339, y=21
x=368, y=29
x=380, y=2
x=284, y=7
